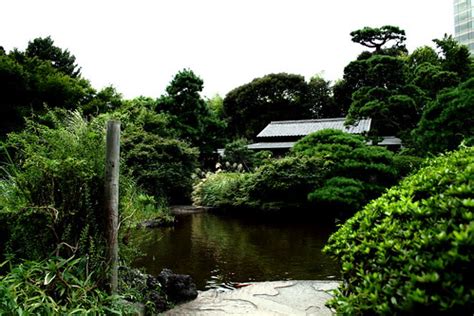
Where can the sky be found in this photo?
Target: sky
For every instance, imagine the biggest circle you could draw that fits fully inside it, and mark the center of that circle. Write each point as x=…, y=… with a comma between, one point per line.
x=138, y=46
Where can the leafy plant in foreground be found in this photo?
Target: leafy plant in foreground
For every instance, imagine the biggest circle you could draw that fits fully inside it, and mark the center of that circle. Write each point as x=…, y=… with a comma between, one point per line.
x=52, y=287
x=412, y=250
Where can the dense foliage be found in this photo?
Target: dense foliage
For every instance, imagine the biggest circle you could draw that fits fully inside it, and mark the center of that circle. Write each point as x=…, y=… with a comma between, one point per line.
x=163, y=166
x=411, y=251
x=45, y=77
x=447, y=121
x=238, y=156
x=250, y=107
x=357, y=172
x=285, y=183
x=190, y=115
x=329, y=169
x=222, y=189
x=51, y=204
x=393, y=87
x=54, y=190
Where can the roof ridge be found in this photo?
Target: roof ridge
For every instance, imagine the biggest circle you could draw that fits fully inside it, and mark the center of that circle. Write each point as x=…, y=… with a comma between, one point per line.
x=309, y=120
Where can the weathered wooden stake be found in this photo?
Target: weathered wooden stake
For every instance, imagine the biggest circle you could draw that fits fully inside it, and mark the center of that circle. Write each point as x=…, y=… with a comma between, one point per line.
x=112, y=168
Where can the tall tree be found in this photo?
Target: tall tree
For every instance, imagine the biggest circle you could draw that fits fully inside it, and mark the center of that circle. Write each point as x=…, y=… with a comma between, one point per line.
x=192, y=118
x=13, y=94
x=105, y=100
x=63, y=60
x=447, y=121
x=454, y=56
x=30, y=82
x=321, y=99
x=378, y=89
x=378, y=37
x=422, y=55
x=216, y=105
x=388, y=86
x=250, y=107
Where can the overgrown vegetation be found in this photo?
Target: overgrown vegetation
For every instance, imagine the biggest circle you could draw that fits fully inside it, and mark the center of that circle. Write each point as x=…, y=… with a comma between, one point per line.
x=51, y=203
x=54, y=191
x=410, y=251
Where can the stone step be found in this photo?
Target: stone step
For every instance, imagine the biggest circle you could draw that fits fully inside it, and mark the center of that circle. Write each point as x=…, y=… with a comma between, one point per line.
x=263, y=298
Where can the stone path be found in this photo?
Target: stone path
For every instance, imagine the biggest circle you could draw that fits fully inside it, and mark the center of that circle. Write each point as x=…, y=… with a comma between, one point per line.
x=264, y=298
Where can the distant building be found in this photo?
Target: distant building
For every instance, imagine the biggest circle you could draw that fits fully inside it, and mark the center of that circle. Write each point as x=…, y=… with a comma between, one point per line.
x=280, y=136
x=464, y=22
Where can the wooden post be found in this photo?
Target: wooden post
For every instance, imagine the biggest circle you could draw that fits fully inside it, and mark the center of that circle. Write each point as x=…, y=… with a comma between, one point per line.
x=112, y=199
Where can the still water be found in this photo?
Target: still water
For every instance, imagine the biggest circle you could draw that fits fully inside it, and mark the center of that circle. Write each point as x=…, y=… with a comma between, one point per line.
x=219, y=251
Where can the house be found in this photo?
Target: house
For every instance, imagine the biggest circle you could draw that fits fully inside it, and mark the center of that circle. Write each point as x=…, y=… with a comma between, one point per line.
x=280, y=136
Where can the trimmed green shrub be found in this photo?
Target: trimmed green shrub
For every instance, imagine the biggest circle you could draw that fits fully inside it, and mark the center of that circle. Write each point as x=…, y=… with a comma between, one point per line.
x=411, y=251
x=328, y=143
x=286, y=182
x=356, y=172
x=344, y=193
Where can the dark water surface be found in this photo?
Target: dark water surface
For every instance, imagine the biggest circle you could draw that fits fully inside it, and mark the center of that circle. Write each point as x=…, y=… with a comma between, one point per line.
x=217, y=250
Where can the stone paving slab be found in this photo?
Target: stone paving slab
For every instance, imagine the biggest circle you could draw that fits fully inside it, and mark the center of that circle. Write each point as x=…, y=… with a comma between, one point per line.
x=263, y=298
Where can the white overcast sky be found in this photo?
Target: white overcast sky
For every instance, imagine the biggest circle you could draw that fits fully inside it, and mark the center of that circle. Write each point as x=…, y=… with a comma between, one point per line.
x=138, y=46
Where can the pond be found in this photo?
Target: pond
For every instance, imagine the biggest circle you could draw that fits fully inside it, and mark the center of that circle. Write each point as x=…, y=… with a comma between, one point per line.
x=219, y=251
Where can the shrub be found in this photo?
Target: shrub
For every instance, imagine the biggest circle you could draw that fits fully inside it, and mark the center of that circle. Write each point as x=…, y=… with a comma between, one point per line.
x=286, y=182
x=356, y=172
x=329, y=169
x=162, y=166
x=406, y=164
x=411, y=250
x=328, y=143
x=280, y=183
x=447, y=121
x=223, y=189
x=344, y=193
x=53, y=190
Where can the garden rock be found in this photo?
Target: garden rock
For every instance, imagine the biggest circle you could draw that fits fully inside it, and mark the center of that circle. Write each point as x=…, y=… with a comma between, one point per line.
x=178, y=287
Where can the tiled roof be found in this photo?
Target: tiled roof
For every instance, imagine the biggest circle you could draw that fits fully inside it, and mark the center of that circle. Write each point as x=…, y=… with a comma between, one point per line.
x=275, y=145
x=305, y=127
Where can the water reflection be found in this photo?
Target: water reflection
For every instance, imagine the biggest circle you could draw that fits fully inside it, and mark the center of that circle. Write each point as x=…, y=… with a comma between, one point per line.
x=221, y=251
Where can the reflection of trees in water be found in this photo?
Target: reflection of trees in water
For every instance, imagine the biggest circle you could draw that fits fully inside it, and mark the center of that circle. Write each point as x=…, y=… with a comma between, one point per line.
x=230, y=249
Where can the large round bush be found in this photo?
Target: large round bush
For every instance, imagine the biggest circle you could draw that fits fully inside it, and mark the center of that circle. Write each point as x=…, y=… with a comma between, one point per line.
x=356, y=172
x=411, y=251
